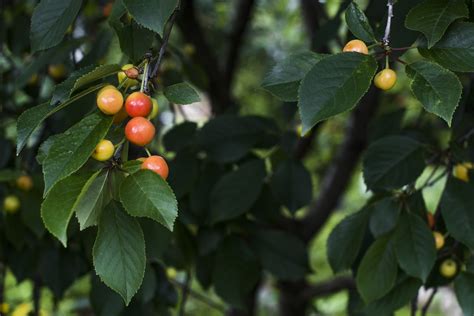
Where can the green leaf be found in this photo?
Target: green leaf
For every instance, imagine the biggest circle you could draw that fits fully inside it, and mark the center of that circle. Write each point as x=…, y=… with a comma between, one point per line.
x=79, y=79
x=134, y=39
x=31, y=119
x=415, y=246
x=291, y=184
x=384, y=216
x=119, y=252
x=229, y=138
x=284, y=79
x=359, y=24
x=456, y=207
x=181, y=93
x=333, y=86
x=282, y=254
x=346, y=239
x=74, y=147
x=377, y=271
x=455, y=50
x=50, y=21
x=57, y=208
x=432, y=17
x=152, y=14
x=93, y=198
x=392, y=162
x=235, y=193
x=180, y=136
x=236, y=271
x=464, y=288
x=405, y=289
x=438, y=89
x=146, y=194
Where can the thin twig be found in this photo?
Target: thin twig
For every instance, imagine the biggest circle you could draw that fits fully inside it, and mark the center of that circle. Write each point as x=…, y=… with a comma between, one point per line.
x=166, y=37
x=202, y=298
x=424, y=310
x=388, y=27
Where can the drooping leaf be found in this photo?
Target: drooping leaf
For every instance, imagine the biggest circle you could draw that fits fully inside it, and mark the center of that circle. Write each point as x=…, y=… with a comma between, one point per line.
x=432, y=17
x=464, y=288
x=438, y=89
x=57, y=208
x=414, y=246
x=456, y=207
x=455, y=50
x=134, y=39
x=346, y=239
x=377, y=271
x=50, y=21
x=146, y=194
x=384, y=216
x=334, y=85
x=284, y=78
x=392, y=162
x=151, y=14
x=236, y=191
x=281, y=253
x=93, y=198
x=359, y=24
x=74, y=147
x=405, y=289
x=181, y=93
x=236, y=271
x=119, y=252
x=291, y=184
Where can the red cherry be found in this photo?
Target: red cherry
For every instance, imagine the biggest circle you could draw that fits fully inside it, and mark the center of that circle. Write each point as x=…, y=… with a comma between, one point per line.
x=139, y=131
x=156, y=164
x=138, y=104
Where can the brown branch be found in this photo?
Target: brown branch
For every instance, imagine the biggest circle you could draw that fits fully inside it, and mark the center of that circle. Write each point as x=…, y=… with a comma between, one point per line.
x=242, y=20
x=193, y=33
x=329, y=287
x=339, y=174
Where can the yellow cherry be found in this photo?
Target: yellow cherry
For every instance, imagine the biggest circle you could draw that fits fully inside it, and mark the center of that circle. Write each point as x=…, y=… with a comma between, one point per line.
x=103, y=151
x=385, y=79
x=356, y=46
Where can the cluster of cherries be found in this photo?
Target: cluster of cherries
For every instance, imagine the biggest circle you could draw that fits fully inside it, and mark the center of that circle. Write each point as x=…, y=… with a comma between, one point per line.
x=11, y=203
x=138, y=130
x=385, y=79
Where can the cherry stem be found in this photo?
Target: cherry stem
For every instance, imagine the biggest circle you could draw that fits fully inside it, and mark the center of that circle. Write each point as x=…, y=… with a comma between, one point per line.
x=145, y=77
x=147, y=151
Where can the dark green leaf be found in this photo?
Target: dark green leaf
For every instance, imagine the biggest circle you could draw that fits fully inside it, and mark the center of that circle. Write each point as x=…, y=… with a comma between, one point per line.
x=74, y=147
x=464, y=287
x=333, y=86
x=152, y=14
x=359, y=24
x=414, y=246
x=181, y=93
x=282, y=254
x=456, y=206
x=377, y=271
x=236, y=191
x=433, y=17
x=384, y=216
x=291, y=184
x=284, y=79
x=392, y=162
x=146, y=194
x=57, y=208
x=180, y=136
x=50, y=21
x=346, y=239
x=134, y=39
x=236, y=271
x=455, y=50
x=438, y=89
x=119, y=252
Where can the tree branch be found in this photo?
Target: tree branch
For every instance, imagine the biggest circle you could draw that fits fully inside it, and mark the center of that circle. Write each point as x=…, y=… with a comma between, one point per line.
x=329, y=287
x=242, y=20
x=388, y=27
x=338, y=175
